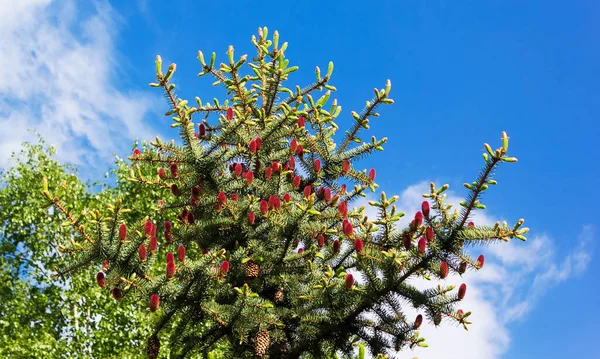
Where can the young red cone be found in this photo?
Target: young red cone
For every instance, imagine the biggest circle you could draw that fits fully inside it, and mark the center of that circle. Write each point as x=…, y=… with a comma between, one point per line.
x=264, y=207
x=372, y=174
x=345, y=166
x=317, y=165
x=175, y=190
x=349, y=281
x=296, y=182
x=471, y=224
x=418, y=322
x=173, y=168
x=343, y=209
x=224, y=268
x=301, y=122
x=252, y=146
x=101, y=279
x=169, y=257
x=181, y=253
x=327, y=195
x=292, y=163
x=307, y=191
x=343, y=189
x=429, y=234
x=406, y=240
x=287, y=198
x=358, y=245
x=122, y=232
x=170, y=270
x=238, y=169
x=336, y=246
x=268, y=173
x=104, y=266
x=201, y=130
x=168, y=226
x=443, y=270
x=293, y=145
x=275, y=166
x=161, y=173
x=320, y=240
x=418, y=219
x=148, y=228
x=301, y=250
x=348, y=229
x=249, y=177
x=462, y=268
x=258, y=143
x=422, y=245
x=191, y=218
x=425, y=208
x=251, y=218
x=222, y=198
x=229, y=113
x=153, y=244
x=462, y=290
x=142, y=252
x=480, y=261
x=154, y=302
x=116, y=293
x=300, y=151
x=136, y=153
x=234, y=197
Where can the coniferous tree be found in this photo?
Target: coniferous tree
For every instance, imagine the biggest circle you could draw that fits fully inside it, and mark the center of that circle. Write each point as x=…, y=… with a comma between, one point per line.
x=264, y=246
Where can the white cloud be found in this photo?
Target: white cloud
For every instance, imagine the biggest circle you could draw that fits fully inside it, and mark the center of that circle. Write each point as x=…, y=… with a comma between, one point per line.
x=58, y=78
x=515, y=277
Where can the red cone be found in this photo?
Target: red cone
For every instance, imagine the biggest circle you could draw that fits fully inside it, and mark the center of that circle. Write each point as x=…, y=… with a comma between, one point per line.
x=336, y=246
x=301, y=122
x=358, y=245
x=116, y=293
x=122, y=232
x=142, y=252
x=161, y=173
x=286, y=198
x=307, y=191
x=175, y=190
x=320, y=240
x=169, y=257
x=443, y=270
x=348, y=229
x=300, y=151
x=293, y=145
x=234, y=197
x=471, y=224
x=252, y=146
x=480, y=261
x=101, y=279
x=181, y=253
x=170, y=270
x=345, y=167
x=425, y=208
x=238, y=169
x=349, y=281
x=418, y=322
x=136, y=153
x=462, y=290
x=224, y=268
x=249, y=177
x=422, y=245
x=406, y=240
x=296, y=182
x=264, y=207
x=201, y=130
x=168, y=226
x=317, y=165
x=154, y=302
x=343, y=209
x=222, y=198
x=372, y=174
x=173, y=168
x=229, y=113
x=327, y=195
x=429, y=234
x=251, y=218
x=418, y=219
x=153, y=244
x=268, y=173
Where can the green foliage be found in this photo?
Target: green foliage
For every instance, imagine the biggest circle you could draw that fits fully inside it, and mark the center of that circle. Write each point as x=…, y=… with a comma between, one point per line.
x=258, y=200
x=45, y=318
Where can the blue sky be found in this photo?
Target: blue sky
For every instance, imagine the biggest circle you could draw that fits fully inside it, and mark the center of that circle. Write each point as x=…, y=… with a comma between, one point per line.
x=462, y=73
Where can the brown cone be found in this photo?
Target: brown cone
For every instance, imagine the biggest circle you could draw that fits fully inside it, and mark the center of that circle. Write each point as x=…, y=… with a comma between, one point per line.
x=251, y=269
x=262, y=343
x=279, y=296
x=153, y=347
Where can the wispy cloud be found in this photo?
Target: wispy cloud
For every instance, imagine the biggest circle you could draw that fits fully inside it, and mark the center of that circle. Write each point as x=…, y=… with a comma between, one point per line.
x=58, y=78
x=515, y=277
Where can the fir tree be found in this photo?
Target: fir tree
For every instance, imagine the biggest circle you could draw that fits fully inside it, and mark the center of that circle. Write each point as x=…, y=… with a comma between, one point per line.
x=263, y=232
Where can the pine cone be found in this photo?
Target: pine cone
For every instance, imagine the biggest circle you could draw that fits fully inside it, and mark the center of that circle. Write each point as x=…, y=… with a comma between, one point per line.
x=279, y=296
x=251, y=269
x=153, y=347
x=262, y=343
